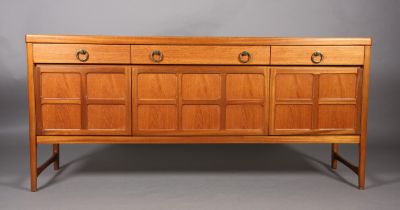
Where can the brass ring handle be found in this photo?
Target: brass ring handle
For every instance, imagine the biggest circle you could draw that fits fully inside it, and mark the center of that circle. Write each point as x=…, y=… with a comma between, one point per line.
x=84, y=53
x=245, y=57
x=158, y=53
x=316, y=55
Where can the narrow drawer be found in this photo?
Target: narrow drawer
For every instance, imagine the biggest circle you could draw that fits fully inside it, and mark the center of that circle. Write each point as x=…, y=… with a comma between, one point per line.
x=186, y=54
x=81, y=53
x=317, y=55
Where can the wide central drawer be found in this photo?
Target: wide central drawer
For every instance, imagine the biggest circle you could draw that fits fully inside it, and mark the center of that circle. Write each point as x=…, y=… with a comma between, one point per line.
x=188, y=54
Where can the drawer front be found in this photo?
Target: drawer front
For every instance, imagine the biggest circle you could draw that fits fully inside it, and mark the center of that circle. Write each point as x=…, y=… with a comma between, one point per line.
x=81, y=53
x=185, y=54
x=317, y=55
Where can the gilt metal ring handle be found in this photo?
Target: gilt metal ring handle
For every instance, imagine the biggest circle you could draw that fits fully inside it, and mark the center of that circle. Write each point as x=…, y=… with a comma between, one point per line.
x=245, y=57
x=156, y=56
x=82, y=55
x=317, y=57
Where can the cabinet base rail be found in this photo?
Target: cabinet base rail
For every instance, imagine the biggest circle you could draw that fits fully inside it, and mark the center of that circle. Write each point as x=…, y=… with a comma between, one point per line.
x=56, y=140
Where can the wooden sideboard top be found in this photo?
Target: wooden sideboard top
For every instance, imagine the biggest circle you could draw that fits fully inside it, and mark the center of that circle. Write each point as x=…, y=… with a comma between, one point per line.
x=187, y=40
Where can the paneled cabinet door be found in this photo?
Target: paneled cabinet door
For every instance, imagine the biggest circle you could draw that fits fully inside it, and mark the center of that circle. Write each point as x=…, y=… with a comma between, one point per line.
x=199, y=100
x=83, y=100
x=315, y=100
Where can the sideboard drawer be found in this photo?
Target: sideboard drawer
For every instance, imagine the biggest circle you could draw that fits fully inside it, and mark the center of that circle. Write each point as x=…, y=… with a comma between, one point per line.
x=317, y=55
x=81, y=53
x=186, y=54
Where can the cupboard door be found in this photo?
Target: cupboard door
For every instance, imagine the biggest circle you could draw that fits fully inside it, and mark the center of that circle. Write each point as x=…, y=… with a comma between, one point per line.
x=83, y=100
x=208, y=100
x=314, y=100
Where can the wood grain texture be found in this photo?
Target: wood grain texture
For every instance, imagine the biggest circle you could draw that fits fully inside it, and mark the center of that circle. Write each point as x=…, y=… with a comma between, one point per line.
x=84, y=100
x=200, y=117
x=201, y=86
x=61, y=116
x=61, y=85
x=66, y=53
x=157, y=86
x=364, y=119
x=107, y=117
x=198, y=97
x=314, y=100
x=332, y=55
x=106, y=85
x=244, y=117
x=293, y=117
x=31, y=80
x=157, y=117
x=342, y=139
x=245, y=86
x=181, y=40
x=203, y=95
x=212, y=55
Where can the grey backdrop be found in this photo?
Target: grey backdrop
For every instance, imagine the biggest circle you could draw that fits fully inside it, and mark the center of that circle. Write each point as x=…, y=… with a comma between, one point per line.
x=339, y=18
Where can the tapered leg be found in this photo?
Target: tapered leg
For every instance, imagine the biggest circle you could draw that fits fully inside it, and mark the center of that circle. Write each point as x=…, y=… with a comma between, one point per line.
x=361, y=166
x=335, y=149
x=33, y=163
x=56, y=151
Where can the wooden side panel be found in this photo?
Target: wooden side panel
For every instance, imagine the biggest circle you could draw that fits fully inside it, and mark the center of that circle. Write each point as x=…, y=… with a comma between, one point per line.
x=244, y=86
x=157, y=117
x=338, y=86
x=106, y=85
x=294, y=86
x=199, y=100
x=61, y=85
x=201, y=86
x=107, y=117
x=315, y=100
x=157, y=86
x=293, y=117
x=83, y=100
x=61, y=116
x=244, y=117
x=201, y=117
x=337, y=116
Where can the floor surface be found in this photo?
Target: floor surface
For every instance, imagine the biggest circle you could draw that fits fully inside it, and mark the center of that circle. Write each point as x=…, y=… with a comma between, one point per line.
x=199, y=177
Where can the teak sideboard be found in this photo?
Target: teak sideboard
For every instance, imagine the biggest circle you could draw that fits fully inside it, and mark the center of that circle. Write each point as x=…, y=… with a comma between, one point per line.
x=147, y=90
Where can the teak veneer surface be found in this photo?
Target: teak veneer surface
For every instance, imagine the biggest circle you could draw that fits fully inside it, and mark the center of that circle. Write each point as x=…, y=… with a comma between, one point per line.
x=196, y=90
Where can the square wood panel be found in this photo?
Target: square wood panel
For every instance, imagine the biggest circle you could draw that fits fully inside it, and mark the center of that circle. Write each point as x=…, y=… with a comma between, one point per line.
x=201, y=86
x=106, y=85
x=200, y=117
x=60, y=85
x=337, y=85
x=157, y=117
x=244, y=117
x=293, y=86
x=157, y=86
x=337, y=117
x=293, y=116
x=106, y=117
x=245, y=86
x=61, y=116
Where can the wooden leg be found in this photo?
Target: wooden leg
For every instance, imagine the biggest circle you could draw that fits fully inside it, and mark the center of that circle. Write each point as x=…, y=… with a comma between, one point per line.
x=335, y=149
x=361, y=165
x=56, y=152
x=33, y=161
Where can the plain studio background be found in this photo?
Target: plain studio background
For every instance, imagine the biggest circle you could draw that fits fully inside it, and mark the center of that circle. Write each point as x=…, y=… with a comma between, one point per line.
x=201, y=176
